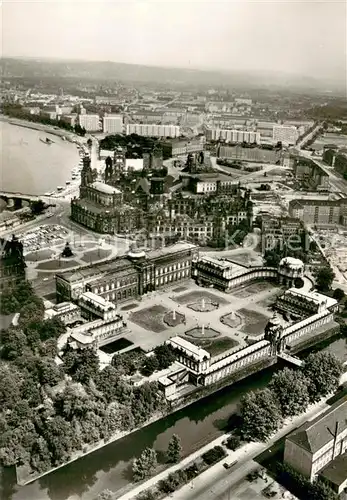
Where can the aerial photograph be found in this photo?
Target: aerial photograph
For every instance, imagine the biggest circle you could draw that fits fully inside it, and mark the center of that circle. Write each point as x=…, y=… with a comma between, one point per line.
x=173, y=269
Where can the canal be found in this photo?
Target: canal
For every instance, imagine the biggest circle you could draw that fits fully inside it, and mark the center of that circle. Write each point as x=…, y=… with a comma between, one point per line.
x=110, y=467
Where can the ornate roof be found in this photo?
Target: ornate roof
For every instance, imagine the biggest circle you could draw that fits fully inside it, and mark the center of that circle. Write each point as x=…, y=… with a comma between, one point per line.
x=104, y=188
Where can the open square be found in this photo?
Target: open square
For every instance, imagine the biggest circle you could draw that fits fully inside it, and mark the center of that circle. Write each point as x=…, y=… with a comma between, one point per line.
x=197, y=296
x=150, y=318
x=253, y=289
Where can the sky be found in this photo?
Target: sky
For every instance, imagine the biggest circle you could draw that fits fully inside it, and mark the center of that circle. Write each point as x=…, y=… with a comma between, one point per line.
x=303, y=37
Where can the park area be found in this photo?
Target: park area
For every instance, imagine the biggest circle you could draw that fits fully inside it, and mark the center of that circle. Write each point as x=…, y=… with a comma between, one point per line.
x=253, y=322
x=150, y=318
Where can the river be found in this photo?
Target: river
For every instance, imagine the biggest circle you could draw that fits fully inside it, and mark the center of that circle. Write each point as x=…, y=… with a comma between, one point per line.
x=110, y=467
x=28, y=165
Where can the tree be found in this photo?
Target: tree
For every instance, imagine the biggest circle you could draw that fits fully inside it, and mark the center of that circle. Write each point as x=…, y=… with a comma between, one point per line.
x=9, y=304
x=81, y=364
x=144, y=465
x=150, y=365
x=324, y=278
x=40, y=457
x=37, y=207
x=10, y=383
x=14, y=343
x=338, y=294
x=164, y=355
x=174, y=449
x=48, y=372
x=260, y=415
x=291, y=390
x=323, y=371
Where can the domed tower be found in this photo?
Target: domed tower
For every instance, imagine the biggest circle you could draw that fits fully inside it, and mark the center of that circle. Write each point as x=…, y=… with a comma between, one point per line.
x=273, y=333
x=289, y=270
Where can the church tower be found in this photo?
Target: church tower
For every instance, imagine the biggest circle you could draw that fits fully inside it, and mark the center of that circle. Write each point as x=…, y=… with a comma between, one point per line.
x=108, y=170
x=86, y=174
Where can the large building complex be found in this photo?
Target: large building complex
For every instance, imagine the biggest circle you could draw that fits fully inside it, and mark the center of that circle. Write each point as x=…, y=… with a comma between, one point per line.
x=280, y=231
x=101, y=206
x=253, y=154
x=113, y=124
x=199, y=368
x=216, y=134
x=319, y=212
x=184, y=146
x=287, y=134
x=90, y=122
x=152, y=130
x=131, y=276
x=319, y=442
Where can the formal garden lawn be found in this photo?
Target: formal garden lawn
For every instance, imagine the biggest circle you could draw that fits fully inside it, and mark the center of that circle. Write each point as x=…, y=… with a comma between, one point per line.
x=150, y=318
x=253, y=322
x=214, y=346
x=94, y=255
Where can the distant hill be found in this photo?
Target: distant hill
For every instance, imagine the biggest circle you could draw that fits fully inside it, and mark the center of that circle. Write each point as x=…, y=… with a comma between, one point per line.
x=106, y=71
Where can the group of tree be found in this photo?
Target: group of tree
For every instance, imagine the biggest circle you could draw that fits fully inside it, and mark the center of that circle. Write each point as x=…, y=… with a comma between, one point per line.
x=146, y=463
x=131, y=362
x=134, y=145
x=296, y=249
x=178, y=478
x=49, y=411
x=18, y=111
x=288, y=394
x=17, y=296
x=324, y=277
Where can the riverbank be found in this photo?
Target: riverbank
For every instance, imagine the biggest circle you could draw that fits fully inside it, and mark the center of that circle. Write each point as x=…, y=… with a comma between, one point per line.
x=49, y=129
x=24, y=476
x=33, y=167
x=245, y=453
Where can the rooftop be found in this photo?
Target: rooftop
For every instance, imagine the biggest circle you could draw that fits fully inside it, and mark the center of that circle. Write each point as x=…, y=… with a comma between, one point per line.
x=97, y=300
x=336, y=471
x=314, y=296
x=104, y=188
x=292, y=262
x=197, y=352
x=315, y=434
x=97, y=270
x=177, y=247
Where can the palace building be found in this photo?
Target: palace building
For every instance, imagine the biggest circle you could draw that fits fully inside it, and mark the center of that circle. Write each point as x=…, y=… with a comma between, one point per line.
x=130, y=276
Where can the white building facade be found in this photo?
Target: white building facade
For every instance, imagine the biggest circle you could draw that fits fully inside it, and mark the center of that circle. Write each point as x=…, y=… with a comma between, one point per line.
x=151, y=130
x=287, y=134
x=90, y=122
x=112, y=124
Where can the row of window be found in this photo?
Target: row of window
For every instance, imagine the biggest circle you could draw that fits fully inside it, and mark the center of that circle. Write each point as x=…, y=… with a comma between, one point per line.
x=172, y=277
x=173, y=267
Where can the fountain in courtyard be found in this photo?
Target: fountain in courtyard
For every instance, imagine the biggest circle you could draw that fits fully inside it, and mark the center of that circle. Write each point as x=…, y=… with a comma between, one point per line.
x=203, y=330
x=203, y=304
x=174, y=318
